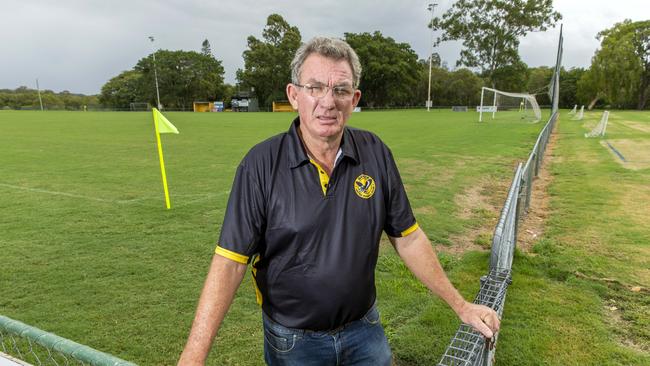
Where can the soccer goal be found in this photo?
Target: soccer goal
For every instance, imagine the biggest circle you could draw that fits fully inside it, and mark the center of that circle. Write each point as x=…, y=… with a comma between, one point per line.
x=522, y=104
x=574, y=110
x=599, y=130
x=580, y=115
x=139, y=107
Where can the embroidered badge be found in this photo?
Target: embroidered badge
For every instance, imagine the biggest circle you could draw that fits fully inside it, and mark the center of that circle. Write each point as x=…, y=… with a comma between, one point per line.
x=364, y=186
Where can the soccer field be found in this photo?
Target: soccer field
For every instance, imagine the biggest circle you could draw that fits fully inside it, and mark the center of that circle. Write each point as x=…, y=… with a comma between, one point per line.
x=90, y=253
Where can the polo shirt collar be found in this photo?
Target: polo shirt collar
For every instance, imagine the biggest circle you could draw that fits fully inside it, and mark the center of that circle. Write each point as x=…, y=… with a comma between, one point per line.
x=298, y=156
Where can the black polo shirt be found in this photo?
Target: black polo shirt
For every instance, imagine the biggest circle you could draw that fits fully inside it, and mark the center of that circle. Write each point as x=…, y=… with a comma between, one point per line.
x=314, y=239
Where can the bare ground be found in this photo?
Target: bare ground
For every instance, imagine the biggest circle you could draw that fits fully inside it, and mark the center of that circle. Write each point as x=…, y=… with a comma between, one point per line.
x=481, y=204
x=639, y=126
x=532, y=226
x=636, y=152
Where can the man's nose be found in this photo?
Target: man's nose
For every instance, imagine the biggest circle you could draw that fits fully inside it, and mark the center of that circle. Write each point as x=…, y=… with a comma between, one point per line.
x=328, y=100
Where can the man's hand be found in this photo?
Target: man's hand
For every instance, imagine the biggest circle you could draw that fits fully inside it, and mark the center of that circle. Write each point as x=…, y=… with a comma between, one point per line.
x=481, y=318
x=416, y=251
x=219, y=289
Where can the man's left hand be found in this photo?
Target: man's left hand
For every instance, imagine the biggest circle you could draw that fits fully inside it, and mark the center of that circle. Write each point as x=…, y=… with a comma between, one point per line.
x=481, y=318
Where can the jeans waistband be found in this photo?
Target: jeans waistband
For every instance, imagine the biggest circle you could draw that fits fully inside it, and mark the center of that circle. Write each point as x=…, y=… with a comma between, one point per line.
x=279, y=327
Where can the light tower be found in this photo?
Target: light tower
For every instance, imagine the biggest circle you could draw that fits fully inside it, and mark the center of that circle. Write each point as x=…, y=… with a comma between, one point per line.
x=431, y=7
x=155, y=73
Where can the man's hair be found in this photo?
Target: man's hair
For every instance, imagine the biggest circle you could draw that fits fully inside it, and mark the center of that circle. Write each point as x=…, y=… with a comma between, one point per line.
x=333, y=48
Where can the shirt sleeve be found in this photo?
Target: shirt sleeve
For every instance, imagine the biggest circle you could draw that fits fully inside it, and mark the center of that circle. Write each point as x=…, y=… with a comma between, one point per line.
x=244, y=220
x=400, y=220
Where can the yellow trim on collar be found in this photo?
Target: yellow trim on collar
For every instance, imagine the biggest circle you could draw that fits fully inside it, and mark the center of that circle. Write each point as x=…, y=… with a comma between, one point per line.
x=410, y=230
x=239, y=258
x=324, y=178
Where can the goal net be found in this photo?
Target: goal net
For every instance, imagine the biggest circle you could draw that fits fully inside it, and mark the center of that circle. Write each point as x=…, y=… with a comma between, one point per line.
x=137, y=106
x=574, y=110
x=600, y=128
x=521, y=105
x=580, y=115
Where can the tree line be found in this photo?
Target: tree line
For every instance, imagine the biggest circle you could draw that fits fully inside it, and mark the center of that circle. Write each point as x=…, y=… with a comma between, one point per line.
x=393, y=75
x=26, y=98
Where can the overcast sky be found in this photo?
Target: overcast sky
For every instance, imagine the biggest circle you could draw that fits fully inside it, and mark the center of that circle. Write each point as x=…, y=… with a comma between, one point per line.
x=78, y=45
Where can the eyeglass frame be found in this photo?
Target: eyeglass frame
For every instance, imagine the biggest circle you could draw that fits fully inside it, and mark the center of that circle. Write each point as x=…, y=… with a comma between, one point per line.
x=310, y=90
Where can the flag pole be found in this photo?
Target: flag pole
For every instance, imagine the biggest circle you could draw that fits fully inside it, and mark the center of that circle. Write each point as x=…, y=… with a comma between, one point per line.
x=162, y=160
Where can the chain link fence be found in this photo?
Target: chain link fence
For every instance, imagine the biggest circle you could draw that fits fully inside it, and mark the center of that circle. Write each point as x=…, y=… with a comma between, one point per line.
x=33, y=346
x=468, y=347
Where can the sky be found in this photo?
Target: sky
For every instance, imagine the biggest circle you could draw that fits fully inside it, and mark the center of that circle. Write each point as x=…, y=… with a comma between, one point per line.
x=78, y=45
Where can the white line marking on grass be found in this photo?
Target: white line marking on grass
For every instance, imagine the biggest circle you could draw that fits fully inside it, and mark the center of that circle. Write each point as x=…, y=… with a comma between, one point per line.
x=201, y=196
x=204, y=197
x=132, y=200
x=56, y=193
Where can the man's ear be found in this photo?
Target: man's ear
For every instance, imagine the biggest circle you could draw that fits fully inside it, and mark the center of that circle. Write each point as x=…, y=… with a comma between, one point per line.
x=292, y=95
x=356, y=98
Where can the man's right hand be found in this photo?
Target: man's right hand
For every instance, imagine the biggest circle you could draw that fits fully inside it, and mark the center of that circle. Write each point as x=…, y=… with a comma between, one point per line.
x=481, y=318
x=223, y=279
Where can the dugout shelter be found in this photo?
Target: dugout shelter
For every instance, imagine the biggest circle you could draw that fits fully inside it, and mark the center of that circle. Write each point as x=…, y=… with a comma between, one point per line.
x=282, y=106
x=203, y=106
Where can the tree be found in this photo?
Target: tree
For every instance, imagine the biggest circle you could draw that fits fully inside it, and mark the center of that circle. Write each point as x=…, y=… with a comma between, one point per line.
x=390, y=69
x=206, y=50
x=267, y=62
x=511, y=77
x=183, y=77
x=539, y=79
x=620, y=69
x=464, y=88
x=228, y=92
x=569, y=86
x=588, y=89
x=490, y=30
x=120, y=91
x=23, y=97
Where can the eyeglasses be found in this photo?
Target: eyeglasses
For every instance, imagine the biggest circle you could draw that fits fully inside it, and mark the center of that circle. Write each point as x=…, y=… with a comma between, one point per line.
x=341, y=92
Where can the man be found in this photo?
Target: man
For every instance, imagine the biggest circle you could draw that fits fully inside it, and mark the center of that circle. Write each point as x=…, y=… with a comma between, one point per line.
x=308, y=208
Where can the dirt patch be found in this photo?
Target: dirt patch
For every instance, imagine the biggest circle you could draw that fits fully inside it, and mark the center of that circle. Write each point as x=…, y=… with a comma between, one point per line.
x=639, y=126
x=632, y=154
x=635, y=203
x=479, y=204
x=414, y=168
x=471, y=200
x=614, y=317
x=531, y=228
x=424, y=210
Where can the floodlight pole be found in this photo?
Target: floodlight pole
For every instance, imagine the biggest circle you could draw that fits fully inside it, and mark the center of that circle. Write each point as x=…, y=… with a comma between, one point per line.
x=38, y=89
x=431, y=7
x=155, y=73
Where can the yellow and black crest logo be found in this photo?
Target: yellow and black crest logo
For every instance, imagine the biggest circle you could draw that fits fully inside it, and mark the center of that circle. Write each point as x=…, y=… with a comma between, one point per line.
x=364, y=186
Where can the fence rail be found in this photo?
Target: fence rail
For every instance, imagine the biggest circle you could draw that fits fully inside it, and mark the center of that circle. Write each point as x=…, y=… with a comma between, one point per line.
x=38, y=347
x=468, y=347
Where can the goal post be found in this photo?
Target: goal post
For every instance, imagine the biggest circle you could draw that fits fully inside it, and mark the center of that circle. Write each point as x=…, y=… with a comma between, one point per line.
x=139, y=107
x=599, y=130
x=579, y=115
x=574, y=110
x=525, y=104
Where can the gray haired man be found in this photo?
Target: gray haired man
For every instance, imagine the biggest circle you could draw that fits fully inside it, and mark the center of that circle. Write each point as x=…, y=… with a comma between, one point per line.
x=307, y=210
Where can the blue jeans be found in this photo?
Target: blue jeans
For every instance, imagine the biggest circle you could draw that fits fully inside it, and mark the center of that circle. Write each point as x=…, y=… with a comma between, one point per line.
x=361, y=342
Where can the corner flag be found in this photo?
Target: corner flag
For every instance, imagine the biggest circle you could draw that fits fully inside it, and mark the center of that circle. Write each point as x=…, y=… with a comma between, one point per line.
x=162, y=125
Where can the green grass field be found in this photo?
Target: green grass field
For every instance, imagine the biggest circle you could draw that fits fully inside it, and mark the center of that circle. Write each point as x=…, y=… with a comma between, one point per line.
x=88, y=251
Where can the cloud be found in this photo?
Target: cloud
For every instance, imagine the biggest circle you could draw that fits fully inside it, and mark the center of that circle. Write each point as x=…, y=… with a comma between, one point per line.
x=78, y=45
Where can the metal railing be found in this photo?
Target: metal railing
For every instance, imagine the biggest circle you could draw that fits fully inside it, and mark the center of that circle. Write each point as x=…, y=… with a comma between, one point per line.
x=468, y=347
x=38, y=347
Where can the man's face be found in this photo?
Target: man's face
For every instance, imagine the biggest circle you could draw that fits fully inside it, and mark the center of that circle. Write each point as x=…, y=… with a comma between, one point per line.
x=324, y=118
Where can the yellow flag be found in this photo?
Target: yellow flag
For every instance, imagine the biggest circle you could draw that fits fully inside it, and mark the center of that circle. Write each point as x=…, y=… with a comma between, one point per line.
x=162, y=124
